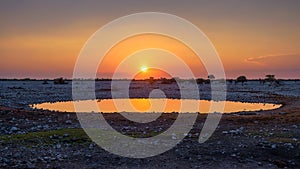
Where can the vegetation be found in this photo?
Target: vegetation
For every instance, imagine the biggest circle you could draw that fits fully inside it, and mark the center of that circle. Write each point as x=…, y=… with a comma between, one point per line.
x=60, y=81
x=270, y=78
x=241, y=79
x=72, y=136
x=202, y=81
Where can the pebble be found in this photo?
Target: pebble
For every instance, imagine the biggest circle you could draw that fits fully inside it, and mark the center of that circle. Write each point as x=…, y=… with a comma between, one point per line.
x=294, y=126
x=46, y=126
x=289, y=145
x=273, y=146
x=14, y=129
x=91, y=146
x=59, y=157
x=174, y=136
x=5, y=160
x=30, y=165
x=68, y=122
x=54, y=137
x=236, y=131
x=224, y=132
x=58, y=146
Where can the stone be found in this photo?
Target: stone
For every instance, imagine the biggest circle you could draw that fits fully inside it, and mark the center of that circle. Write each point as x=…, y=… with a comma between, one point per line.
x=14, y=129
x=174, y=136
x=68, y=122
x=233, y=155
x=58, y=146
x=289, y=145
x=294, y=126
x=30, y=165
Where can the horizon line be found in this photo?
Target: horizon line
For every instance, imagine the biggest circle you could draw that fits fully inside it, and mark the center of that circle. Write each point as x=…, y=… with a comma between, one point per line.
x=110, y=79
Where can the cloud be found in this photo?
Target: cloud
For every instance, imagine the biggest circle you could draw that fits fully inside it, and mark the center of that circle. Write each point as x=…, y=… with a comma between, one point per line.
x=288, y=61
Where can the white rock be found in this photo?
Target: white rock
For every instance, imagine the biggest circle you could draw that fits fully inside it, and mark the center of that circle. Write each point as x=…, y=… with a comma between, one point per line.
x=13, y=129
x=174, y=136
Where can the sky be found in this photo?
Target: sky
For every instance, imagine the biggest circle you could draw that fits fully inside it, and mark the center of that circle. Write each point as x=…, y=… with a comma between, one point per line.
x=42, y=39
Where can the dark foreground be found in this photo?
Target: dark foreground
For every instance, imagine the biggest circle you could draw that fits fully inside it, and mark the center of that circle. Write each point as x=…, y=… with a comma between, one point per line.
x=43, y=139
x=54, y=140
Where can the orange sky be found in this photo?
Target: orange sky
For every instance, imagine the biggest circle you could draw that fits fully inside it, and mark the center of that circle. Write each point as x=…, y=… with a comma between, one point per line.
x=43, y=39
x=150, y=59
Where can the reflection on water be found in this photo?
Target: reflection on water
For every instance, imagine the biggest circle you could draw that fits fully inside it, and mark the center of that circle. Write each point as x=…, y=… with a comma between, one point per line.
x=152, y=105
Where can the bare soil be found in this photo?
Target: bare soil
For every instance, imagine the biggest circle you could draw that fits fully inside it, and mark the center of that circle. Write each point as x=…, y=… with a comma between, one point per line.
x=43, y=139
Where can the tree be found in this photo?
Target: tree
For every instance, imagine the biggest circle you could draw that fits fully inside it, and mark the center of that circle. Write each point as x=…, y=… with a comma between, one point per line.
x=241, y=79
x=151, y=80
x=60, y=81
x=270, y=78
x=200, y=81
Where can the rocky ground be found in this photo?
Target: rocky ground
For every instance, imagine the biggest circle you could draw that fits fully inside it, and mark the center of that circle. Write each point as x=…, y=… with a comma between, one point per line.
x=43, y=139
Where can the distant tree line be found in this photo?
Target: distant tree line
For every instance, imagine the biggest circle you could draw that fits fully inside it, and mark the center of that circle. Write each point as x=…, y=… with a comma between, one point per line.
x=269, y=79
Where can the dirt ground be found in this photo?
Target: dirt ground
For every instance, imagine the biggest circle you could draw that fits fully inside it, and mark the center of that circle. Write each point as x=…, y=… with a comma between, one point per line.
x=264, y=139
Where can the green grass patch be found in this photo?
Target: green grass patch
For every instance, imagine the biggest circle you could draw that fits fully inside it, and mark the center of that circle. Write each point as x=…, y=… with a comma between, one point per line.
x=142, y=135
x=277, y=136
x=282, y=140
x=71, y=136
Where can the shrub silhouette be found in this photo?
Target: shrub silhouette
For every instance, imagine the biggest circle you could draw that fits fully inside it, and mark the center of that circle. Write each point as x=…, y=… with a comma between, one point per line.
x=241, y=79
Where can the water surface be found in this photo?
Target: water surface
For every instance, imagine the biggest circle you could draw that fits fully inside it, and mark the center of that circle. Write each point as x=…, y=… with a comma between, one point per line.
x=153, y=105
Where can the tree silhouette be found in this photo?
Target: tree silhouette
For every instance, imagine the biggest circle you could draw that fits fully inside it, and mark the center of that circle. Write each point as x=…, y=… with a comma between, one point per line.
x=60, y=81
x=200, y=81
x=270, y=78
x=241, y=79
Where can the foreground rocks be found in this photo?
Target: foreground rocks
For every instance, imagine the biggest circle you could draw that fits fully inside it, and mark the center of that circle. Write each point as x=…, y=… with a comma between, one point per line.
x=44, y=139
x=239, y=142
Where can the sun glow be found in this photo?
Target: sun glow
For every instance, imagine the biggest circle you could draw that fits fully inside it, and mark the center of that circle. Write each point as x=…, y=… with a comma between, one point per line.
x=144, y=68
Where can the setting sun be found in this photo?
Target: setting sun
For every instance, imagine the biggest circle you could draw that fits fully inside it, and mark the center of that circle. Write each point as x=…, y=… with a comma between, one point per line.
x=144, y=68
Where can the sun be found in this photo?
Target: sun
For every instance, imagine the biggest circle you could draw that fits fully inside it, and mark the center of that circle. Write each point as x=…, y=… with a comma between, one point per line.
x=144, y=68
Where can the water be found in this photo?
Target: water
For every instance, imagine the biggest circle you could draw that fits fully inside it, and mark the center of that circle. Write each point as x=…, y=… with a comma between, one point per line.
x=153, y=105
